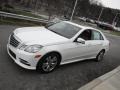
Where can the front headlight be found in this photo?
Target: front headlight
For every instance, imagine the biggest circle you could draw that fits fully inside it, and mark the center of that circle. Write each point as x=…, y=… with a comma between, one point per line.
x=31, y=48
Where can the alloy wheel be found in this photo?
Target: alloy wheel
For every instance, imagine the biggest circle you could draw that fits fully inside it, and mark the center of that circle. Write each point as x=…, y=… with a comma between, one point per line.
x=49, y=63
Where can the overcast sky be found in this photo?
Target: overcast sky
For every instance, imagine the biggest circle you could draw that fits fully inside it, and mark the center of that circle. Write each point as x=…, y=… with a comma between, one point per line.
x=111, y=3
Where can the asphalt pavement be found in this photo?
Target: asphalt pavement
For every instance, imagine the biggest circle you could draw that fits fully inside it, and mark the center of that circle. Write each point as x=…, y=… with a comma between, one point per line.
x=66, y=77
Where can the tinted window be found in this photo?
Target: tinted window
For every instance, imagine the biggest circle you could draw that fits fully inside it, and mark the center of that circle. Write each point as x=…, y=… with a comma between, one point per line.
x=86, y=35
x=65, y=29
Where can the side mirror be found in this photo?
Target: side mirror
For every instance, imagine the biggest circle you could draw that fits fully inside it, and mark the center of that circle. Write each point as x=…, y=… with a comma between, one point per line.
x=80, y=40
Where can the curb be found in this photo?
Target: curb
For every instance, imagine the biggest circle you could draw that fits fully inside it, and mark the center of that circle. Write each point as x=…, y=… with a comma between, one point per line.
x=96, y=82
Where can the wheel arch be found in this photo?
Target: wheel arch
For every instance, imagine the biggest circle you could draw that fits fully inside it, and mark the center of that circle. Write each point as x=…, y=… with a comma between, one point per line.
x=54, y=52
x=42, y=58
x=50, y=53
x=103, y=50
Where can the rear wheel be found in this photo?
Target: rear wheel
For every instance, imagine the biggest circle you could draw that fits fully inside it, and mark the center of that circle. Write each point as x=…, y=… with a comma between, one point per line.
x=100, y=56
x=48, y=63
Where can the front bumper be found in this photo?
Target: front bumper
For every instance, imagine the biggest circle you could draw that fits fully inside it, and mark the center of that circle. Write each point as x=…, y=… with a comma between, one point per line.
x=23, y=59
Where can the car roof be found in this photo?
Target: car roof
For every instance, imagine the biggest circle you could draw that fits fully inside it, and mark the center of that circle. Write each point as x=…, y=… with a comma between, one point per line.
x=81, y=26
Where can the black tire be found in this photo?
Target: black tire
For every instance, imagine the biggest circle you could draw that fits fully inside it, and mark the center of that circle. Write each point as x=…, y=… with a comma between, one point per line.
x=48, y=63
x=100, y=56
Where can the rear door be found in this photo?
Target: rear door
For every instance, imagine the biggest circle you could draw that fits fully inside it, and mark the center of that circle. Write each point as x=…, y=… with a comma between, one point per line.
x=97, y=42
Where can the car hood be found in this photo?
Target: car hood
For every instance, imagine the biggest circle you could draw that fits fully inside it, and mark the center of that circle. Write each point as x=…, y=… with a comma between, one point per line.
x=38, y=35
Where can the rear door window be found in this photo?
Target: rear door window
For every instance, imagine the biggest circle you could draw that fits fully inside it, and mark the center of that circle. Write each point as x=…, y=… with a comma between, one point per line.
x=96, y=35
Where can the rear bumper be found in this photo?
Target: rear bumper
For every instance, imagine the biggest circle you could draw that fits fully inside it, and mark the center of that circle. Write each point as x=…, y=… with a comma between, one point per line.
x=23, y=59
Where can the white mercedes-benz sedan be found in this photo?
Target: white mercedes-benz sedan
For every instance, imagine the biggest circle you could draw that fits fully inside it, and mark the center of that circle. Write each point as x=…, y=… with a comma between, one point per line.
x=45, y=48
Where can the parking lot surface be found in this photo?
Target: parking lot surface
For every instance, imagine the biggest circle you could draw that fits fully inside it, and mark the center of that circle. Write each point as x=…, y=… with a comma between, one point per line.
x=66, y=77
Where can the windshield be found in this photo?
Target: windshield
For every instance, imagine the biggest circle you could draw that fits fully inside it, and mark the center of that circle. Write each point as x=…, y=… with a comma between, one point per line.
x=64, y=29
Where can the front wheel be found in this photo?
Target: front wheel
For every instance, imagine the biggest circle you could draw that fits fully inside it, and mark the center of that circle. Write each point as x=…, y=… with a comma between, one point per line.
x=48, y=63
x=100, y=56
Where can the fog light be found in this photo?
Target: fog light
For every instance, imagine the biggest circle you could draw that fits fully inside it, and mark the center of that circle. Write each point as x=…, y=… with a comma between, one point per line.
x=24, y=62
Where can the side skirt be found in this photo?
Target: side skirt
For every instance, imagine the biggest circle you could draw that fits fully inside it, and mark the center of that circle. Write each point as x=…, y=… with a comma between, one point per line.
x=76, y=60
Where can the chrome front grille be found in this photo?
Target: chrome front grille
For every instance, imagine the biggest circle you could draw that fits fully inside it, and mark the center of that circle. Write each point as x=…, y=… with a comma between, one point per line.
x=13, y=41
